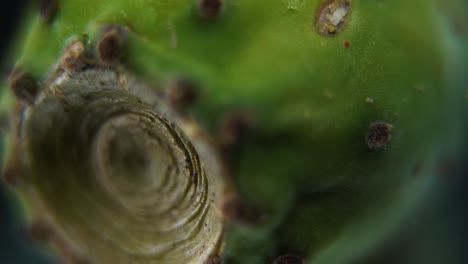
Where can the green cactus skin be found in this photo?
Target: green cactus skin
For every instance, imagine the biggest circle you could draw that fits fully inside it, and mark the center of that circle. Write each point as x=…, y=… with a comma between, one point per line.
x=344, y=143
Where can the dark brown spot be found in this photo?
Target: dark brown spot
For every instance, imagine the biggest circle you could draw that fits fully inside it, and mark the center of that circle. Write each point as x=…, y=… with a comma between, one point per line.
x=235, y=209
x=215, y=259
x=181, y=94
x=234, y=127
x=40, y=231
x=289, y=259
x=9, y=177
x=333, y=16
x=48, y=9
x=24, y=87
x=233, y=134
x=110, y=46
x=209, y=9
x=346, y=44
x=378, y=135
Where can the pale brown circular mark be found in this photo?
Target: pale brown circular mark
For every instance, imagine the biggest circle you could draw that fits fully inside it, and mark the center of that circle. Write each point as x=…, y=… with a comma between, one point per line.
x=333, y=16
x=72, y=60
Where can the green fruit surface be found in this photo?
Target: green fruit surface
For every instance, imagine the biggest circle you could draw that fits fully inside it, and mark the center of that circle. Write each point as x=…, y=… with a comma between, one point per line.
x=306, y=164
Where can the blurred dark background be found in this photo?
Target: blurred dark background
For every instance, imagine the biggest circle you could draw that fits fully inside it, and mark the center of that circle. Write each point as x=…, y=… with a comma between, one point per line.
x=443, y=226
x=10, y=16
x=15, y=246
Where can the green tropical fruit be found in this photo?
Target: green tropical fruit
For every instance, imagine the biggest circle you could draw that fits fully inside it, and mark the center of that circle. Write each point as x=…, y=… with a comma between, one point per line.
x=235, y=131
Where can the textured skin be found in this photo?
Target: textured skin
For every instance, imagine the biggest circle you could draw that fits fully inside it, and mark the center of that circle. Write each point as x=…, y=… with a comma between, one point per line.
x=306, y=164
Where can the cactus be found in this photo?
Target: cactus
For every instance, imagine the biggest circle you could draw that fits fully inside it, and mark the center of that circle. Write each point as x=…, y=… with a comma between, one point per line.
x=235, y=131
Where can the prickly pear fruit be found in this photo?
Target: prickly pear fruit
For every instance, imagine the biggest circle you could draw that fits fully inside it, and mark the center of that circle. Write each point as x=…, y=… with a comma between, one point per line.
x=235, y=131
